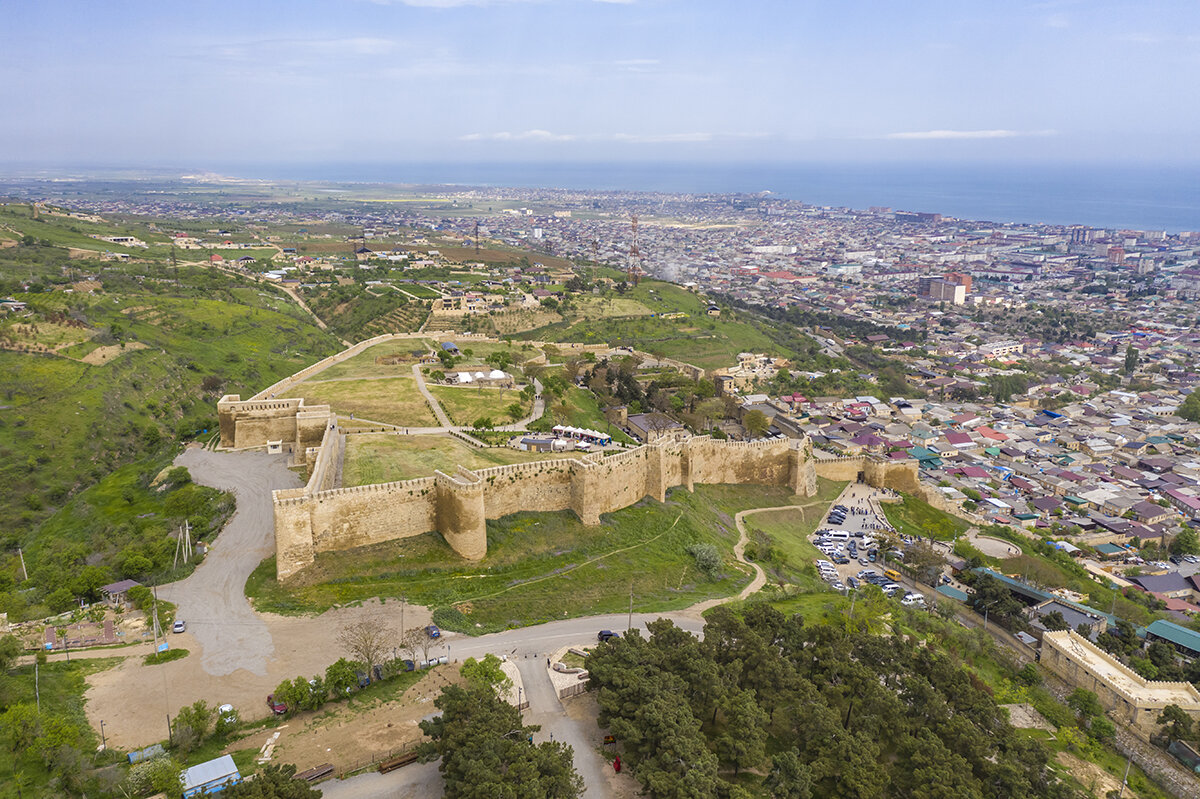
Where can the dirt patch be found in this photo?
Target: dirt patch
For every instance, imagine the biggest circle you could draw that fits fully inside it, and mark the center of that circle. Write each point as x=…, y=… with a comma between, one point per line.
x=102, y=355
x=352, y=734
x=1095, y=779
x=1026, y=717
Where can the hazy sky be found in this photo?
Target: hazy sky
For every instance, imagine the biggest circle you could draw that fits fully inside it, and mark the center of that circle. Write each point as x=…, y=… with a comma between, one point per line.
x=196, y=83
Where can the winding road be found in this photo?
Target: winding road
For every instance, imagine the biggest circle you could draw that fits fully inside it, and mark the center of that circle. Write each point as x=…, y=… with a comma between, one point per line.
x=213, y=598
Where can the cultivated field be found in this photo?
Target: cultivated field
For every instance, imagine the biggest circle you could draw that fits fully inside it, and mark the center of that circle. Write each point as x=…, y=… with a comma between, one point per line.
x=383, y=458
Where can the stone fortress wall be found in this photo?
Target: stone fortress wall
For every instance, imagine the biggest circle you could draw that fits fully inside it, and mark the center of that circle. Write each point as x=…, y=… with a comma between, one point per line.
x=316, y=519
x=322, y=517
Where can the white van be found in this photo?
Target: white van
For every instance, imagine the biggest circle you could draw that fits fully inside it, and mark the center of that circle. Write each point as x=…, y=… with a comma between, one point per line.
x=838, y=535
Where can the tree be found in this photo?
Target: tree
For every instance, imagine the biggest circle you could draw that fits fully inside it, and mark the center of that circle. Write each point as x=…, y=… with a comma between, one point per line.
x=756, y=423
x=710, y=410
x=160, y=775
x=1176, y=723
x=19, y=726
x=485, y=750
x=925, y=561
x=484, y=423
x=1131, y=360
x=1054, y=621
x=1186, y=543
x=515, y=411
x=708, y=559
x=789, y=778
x=1085, y=704
x=273, y=781
x=10, y=650
x=487, y=672
x=1190, y=407
x=416, y=644
x=367, y=641
x=340, y=678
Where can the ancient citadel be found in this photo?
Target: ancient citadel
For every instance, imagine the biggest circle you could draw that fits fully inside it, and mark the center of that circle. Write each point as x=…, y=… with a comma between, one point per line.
x=323, y=517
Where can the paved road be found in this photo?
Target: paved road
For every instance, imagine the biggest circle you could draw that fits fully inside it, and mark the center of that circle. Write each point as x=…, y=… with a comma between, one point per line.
x=212, y=600
x=429, y=398
x=546, y=710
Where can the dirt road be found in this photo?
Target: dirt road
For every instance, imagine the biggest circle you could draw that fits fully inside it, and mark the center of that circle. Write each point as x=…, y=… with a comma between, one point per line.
x=212, y=600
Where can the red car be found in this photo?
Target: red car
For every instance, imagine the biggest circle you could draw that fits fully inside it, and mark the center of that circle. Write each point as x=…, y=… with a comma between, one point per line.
x=278, y=708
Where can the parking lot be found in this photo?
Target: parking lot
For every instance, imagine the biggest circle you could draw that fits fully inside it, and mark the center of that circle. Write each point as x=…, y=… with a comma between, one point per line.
x=848, y=539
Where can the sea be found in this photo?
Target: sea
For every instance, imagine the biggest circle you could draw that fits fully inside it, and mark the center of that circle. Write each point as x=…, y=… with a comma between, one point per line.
x=1123, y=197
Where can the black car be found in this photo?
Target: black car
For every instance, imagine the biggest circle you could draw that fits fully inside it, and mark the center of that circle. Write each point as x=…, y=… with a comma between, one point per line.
x=606, y=635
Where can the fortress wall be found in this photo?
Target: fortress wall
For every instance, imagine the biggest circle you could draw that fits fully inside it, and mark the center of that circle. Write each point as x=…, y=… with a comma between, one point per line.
x=619, y=481
x=461, y=518
x=762, y=462
x=345, y=518
x=536, y=486
x=293, y=534
x=896, y=475
x=324, y=466
x=844, y=469
x=317, y=519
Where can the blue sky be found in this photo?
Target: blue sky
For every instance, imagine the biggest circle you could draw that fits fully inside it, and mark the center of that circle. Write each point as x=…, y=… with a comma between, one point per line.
x=188, y=84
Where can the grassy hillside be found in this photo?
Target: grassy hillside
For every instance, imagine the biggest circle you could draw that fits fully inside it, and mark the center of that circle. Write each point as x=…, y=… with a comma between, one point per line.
x=115, y=364
x=696, y=338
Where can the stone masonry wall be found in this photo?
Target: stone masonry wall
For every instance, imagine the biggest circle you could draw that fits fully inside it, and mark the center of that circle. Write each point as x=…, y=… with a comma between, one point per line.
x=313, y=519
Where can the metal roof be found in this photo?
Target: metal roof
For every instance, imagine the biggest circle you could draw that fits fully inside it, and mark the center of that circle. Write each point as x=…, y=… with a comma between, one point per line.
x=1189, y=639
x=208, y=772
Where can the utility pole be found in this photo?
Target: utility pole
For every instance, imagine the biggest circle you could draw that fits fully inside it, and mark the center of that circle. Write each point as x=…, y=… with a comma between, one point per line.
x=24, y=571
x=629, y=624
x=402, y=601
x=1125, y=779
x=37, y=692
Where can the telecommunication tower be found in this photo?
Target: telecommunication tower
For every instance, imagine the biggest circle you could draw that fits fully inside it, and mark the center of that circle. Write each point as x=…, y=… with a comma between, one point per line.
x=633, y=273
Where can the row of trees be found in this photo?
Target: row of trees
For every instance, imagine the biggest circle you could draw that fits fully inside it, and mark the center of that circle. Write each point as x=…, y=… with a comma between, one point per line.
x=847, y=714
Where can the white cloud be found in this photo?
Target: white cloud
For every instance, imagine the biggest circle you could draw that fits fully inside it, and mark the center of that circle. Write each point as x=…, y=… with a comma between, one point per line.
x=1058, y=21
x=637, y=62
x=528, y=135
x=967, y=134
x=662, y=138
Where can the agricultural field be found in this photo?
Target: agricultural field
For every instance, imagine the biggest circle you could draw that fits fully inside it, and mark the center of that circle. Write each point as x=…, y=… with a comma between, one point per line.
x=419, y=291
x=517, y=320
x=540, y=566
x=384, y=458
x=612, y=306
x=391, y=400
x=464, y=404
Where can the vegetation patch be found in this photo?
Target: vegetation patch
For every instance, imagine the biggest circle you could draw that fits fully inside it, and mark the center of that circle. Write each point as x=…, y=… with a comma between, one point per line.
x=165, y=657
x=387, y=458
x=392, y=400
x=915, y=517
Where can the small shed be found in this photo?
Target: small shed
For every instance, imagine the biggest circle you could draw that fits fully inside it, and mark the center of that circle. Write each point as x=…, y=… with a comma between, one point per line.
x=210, y=777
x=117, y=594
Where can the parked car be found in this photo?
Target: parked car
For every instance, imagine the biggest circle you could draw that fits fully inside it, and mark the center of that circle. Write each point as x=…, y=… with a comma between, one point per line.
x=913, y=600
x=278, y=708
x=606, y=635
x=179, y=626
x=433, y=632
